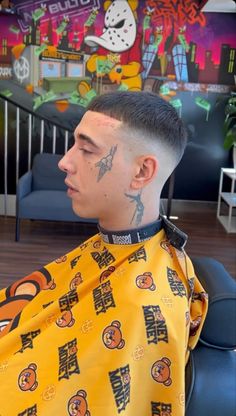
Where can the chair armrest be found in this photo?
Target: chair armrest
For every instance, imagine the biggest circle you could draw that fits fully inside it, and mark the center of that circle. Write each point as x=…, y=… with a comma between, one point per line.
x=24, y=185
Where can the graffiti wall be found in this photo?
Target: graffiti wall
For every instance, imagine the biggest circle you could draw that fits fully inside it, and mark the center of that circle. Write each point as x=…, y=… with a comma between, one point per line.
x=154, y=44
x=64, y=52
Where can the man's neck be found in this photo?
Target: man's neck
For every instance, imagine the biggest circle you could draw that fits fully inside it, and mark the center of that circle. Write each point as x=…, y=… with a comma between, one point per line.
x=122, y=224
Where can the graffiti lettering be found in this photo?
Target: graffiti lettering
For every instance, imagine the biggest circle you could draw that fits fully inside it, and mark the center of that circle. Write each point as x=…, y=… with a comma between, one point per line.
x=66, y=5
x=195, y=15
x=175, y=11
x=54, y=9
x=194, y=87
x=5, y=72
x=218, y=88
x=62, y=55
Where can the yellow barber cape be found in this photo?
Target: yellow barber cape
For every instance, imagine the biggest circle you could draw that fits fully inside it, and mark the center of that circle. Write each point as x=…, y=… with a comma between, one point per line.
x=102, y=331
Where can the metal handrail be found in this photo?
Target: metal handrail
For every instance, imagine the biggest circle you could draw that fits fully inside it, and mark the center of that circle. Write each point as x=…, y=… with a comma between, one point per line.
x=31, y=115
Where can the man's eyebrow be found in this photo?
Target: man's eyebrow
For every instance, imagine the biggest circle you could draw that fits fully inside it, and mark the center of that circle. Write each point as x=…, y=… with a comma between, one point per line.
x=87, y=139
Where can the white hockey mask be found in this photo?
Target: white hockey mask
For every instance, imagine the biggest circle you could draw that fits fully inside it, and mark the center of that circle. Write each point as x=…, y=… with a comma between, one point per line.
x=119, y=30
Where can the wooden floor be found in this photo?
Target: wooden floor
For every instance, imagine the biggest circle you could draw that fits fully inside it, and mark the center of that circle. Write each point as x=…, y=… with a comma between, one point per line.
x=42, y=242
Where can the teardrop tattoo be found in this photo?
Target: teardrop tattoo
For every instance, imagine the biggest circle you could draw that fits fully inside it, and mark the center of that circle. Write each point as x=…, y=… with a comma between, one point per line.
x=105, y=164
x=138, y=213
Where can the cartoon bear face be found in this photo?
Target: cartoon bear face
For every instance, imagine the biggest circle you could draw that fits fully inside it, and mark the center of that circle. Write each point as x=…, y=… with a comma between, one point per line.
x=112, y=336
x=187, y=317
x=145, y=281
x=165, y=244
x=202, y=296
x=76, y=281
x=158, y=315
x=106, y=273
x=27, y=378
x=65, y=320
x=194, y=325
x=77, y=405
x=61, y=259
x=97, y=244
x=175, y=276
x=126, y=378
x=106, y=288
x=161, y=371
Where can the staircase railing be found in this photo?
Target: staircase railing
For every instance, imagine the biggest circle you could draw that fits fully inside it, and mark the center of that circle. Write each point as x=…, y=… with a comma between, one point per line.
x=42, y=134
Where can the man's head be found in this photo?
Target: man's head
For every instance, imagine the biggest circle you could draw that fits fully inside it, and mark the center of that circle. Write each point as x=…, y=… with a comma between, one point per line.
x=149, y=120
x=126, y=146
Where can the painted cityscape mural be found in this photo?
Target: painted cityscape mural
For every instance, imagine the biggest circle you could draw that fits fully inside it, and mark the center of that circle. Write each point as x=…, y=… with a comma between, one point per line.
x=56, y=55
x=76, y=49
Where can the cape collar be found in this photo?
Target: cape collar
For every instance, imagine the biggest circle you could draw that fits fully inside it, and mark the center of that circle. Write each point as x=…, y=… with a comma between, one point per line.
x=133, y=236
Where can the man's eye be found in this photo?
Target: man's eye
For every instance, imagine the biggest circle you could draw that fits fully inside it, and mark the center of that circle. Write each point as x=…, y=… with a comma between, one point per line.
x=84, y=150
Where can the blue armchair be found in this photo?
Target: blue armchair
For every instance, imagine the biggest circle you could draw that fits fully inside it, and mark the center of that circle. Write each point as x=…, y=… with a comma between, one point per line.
x=41, y=193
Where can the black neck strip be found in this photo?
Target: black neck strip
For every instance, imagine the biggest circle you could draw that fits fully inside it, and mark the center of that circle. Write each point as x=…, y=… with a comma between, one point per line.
x=131, y=236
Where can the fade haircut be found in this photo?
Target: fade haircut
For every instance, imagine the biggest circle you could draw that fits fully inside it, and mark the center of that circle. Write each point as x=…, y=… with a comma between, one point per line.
x=146, y=113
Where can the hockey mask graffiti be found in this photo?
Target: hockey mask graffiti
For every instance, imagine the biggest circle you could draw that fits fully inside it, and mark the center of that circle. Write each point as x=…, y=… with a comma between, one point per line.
x=119, y=30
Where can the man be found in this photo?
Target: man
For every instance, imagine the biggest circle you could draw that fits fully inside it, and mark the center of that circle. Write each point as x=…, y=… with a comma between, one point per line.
x=106, y=329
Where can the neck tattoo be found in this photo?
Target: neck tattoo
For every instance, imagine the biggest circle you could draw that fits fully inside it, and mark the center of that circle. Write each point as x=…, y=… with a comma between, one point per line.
x=138, y=213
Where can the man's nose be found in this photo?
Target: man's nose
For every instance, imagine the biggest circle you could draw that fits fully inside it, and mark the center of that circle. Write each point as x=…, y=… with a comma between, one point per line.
x=62, y=164
x=65, y=164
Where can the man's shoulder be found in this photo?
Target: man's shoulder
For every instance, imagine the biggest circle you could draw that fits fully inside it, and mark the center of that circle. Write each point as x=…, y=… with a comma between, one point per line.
x=82, y=248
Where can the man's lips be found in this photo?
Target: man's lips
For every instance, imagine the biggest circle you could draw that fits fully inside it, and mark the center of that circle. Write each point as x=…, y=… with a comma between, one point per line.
x=71, y=188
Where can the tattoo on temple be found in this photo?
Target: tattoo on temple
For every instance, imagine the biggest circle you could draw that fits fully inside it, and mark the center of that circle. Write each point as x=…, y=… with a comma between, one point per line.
x=105, y=164
x=138, y=213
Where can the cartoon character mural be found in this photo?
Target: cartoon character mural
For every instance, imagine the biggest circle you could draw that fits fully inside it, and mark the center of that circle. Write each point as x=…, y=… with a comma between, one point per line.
x=118, y=58
x=165, y=23
x=129, y=44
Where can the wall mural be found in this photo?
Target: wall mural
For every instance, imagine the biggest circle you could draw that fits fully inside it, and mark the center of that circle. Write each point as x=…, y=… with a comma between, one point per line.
x=75, y=49
x=56, y=55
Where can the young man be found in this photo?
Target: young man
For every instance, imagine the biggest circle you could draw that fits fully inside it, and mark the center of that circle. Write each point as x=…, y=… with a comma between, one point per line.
x=106, y=329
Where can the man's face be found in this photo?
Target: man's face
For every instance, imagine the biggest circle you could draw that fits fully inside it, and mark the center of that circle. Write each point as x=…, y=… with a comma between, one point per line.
x=98, y=167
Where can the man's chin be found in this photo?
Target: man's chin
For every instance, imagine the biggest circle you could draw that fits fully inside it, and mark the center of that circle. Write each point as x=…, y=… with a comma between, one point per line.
x=81, y=213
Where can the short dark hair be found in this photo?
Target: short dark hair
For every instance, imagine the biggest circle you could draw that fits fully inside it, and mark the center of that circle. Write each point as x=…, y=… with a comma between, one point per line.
x=146, y=112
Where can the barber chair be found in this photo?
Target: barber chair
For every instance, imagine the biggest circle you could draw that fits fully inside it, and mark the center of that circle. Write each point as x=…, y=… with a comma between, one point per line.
x=211, y=369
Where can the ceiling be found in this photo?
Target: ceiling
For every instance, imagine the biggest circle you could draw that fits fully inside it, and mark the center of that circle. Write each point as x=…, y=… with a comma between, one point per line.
x=222, y=6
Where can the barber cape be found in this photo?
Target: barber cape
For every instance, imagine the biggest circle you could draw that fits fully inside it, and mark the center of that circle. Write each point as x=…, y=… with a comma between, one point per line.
x=103, y=330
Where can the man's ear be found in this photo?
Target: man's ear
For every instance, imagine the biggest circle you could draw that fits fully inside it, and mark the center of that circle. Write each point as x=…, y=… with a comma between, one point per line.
x=145, y=171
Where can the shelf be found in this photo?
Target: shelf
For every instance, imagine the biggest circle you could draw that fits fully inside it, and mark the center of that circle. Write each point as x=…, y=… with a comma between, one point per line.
x=231, y=172
x=228, y=221
x=224, y=219
x=229, y=197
